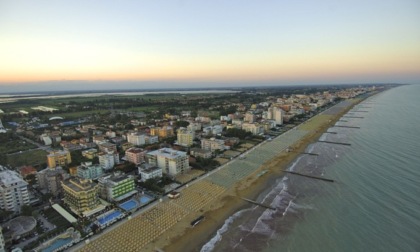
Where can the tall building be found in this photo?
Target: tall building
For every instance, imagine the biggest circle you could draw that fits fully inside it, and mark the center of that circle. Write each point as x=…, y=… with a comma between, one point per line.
x=87, y=170
x=276, y=114
x=107, y=160
x=81, y=196
x=250, y=117
x=117, y=187
x=136, y=138
x=185, y=137
x=2, y=242
x=13, y=191
x=135, y=155
x=58, y=158
x=171, y=162
x=50, y=179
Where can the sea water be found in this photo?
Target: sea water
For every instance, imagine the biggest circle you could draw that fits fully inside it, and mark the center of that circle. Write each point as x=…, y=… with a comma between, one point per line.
x=374, y=203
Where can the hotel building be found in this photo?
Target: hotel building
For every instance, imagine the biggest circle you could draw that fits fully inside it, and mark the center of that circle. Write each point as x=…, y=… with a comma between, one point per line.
x=171, y=162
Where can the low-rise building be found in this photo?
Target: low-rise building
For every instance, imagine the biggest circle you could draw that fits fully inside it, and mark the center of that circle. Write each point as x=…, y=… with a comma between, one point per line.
x=58, y=158
x=197, y=152
x=90, y=154
x=147, y=171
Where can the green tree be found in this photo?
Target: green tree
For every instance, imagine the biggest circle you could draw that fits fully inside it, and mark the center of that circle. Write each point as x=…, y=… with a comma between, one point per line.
x=26, y=210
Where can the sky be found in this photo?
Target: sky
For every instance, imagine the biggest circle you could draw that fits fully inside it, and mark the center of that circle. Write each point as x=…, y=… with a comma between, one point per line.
x=140, y=44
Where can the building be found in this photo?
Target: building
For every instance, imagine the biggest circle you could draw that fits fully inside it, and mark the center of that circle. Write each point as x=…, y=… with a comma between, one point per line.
x=89, y=171
x=50, y=179
x=212, y=144
x=13, y=191
x=58, y=158
x=136, y=138
x=194, y=126
x=276, y=114
x=81, y=196
x=250, y=117
x=107, y=147
x=197, y=152
x=147, y=171
x=135, y=155
x=2, y=242
x=27, y=170
x=162, y=132
x=151, y=139
x=185, y=137
x=116, y=187
x=254, y=128
x=107, y=160
x=90, y=154
x=171, y=162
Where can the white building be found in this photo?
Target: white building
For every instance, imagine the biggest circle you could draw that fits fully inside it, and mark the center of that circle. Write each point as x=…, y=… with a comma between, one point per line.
x=136, y=138
x=195, y=126
x=254, y=128
x=276, y=114
x=212, y=144
x=50, y=179
x=151, y=139
x=13, y=191
x=87, y=170
x=107, y=160
x=147, y=171
x=172, y=162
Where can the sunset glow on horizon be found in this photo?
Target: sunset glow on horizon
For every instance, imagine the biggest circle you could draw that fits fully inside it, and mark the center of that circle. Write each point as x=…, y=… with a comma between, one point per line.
x=210, y=41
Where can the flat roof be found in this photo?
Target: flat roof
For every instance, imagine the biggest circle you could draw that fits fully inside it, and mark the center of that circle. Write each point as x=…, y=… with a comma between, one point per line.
x=64, y=213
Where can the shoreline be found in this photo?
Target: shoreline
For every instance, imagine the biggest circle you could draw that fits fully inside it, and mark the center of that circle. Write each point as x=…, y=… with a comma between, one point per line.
x=193, y=239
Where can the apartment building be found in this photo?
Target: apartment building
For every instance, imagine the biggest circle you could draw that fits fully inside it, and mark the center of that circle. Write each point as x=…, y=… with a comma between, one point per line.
x=172, y=162
x=58, y=158
x=13, y=191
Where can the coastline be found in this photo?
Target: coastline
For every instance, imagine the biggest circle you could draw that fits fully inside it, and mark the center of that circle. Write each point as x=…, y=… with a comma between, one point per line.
x=184, y=238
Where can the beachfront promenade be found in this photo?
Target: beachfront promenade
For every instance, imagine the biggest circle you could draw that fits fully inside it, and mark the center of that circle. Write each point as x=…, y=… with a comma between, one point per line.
x=144, y=228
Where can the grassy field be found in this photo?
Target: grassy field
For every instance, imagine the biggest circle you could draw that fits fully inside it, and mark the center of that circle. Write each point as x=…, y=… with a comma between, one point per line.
x=15, y=146
x=34, y=157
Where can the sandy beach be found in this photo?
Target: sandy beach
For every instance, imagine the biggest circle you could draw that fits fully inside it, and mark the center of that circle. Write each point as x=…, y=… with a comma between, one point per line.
x=167, y=225
x=182, y=237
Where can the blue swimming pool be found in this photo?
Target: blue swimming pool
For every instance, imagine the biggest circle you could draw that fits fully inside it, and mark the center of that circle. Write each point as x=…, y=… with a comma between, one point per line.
x=109, y=217
x=145, y=199
x=56, y=244
x=129, y=205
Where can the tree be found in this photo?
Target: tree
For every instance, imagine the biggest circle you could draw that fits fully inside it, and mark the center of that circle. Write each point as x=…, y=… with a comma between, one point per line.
x=182, y=124
x=26, y=210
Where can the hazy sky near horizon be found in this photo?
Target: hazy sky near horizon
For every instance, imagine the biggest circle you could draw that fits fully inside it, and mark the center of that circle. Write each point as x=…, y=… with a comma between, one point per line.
x=205, y=41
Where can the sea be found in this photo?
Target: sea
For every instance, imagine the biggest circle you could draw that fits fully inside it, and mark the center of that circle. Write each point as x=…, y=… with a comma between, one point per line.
x=373, y=203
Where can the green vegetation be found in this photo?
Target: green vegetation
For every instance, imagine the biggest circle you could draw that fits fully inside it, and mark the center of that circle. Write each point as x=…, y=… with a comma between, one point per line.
x=36, y=158
x=11, y=143
x=239, y=133
x=205, y=164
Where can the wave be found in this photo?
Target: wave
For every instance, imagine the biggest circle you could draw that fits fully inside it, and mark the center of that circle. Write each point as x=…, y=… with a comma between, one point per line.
x=209, y=246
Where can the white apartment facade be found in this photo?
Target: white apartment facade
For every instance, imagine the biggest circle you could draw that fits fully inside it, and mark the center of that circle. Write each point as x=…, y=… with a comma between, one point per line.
x=13, y=191
x=172, y=162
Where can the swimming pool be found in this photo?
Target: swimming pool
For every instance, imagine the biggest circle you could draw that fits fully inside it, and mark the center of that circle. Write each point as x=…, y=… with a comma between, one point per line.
x=109, y=217
x=145, y=199
x=56, y=244
x=129, y=205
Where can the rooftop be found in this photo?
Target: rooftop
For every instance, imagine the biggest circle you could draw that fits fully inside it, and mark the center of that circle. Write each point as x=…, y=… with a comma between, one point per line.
x=8, y=177
x=78, y=184
x=168, y=153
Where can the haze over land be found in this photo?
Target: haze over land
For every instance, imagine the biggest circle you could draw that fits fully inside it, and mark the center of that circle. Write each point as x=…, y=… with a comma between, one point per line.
x=79, y=45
